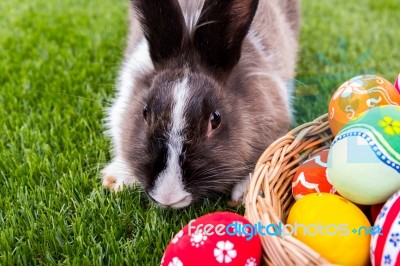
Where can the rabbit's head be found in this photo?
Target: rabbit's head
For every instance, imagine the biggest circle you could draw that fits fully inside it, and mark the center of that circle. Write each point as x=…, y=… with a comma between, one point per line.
x=188, y=128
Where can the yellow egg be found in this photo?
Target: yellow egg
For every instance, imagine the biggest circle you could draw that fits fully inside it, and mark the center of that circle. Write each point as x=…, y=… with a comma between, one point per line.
x=332, y=226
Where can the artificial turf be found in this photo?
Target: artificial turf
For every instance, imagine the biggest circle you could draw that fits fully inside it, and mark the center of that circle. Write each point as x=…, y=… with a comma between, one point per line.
x=58, y=64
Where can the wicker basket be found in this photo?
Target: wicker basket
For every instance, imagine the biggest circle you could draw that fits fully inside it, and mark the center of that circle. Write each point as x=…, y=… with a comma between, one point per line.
x=269, y=196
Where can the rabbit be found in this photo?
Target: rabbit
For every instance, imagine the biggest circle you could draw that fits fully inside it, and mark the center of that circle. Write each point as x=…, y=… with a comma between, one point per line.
x=202, y=91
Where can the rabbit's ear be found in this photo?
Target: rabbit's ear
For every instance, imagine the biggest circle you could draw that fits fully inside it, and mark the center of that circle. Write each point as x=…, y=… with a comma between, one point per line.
x=220, y=30
x=163, y=26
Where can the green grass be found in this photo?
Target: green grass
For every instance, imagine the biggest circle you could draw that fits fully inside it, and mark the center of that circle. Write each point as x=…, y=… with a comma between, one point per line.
x=58, y=63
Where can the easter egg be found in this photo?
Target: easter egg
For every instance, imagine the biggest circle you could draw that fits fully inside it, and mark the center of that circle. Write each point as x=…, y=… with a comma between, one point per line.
x=311, y=177
x=333, y=227
x=214, y=239
x=385, y=245
x=397, y=84
x=364, y=158
x=358, y=95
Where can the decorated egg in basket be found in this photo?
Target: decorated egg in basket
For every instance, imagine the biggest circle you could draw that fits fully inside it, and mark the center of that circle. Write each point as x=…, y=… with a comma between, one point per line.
x=311, y=176
x=397, y=84
x=332, y=226
x=385, y=245
x=364, y=158
x=358, y=95
x=220, y=238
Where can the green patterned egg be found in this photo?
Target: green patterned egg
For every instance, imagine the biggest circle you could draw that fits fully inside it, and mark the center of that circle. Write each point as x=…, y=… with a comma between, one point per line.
x=364, y=158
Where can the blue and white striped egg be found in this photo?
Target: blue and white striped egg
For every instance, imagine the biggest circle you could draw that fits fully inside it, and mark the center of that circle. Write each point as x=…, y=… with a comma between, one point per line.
x=364, y=158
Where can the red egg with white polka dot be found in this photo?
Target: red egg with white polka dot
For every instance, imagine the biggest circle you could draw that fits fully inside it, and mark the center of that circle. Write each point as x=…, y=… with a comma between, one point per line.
x=311, y=176
x=214, y=239
x=385, y=241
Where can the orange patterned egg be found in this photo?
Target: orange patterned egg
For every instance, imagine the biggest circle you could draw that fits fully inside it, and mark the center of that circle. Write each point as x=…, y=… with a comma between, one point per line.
x=358, y=95
x=311, y=176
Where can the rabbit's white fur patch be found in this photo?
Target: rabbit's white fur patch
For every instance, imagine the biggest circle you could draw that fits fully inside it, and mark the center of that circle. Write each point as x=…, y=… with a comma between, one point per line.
x=169, y=189
x=117, y=173
x=136, y=64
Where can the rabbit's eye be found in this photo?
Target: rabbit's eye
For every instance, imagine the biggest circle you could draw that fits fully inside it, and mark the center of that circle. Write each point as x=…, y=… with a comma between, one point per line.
x=215, y=120
x=145, y=111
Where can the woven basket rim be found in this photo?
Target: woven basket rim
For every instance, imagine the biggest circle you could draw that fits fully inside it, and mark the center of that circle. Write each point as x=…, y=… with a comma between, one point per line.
x=269, y=197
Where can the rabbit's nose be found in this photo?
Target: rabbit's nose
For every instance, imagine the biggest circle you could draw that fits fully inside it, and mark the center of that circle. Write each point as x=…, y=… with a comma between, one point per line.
x=173, y=200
